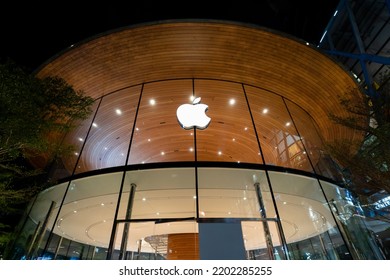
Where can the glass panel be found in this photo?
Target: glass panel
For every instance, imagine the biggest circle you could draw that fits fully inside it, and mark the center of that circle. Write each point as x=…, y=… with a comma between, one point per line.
x=25, y=239
x=99, y=253
x=43, y=214
x=64, y=167
x=279, y=139
x=53, y=247
x=71, y=250
x=87, y=214
x=160, y=194
x=255, y=241
x=351, y=219
x=63, y=249
x=230, y=193
x=230, y=137
x=158, y=135
x=313, y=144
x=76, y=250
x=89, y=254
x=159, y=241
x=308, y=225
x=108, y=141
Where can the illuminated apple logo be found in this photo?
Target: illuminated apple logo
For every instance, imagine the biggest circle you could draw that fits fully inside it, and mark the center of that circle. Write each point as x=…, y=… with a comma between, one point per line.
x=193, y=115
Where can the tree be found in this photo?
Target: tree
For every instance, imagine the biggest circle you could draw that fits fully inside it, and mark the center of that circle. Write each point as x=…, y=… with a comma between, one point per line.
x=35, y=114
x=35, y=111
x=367, y=163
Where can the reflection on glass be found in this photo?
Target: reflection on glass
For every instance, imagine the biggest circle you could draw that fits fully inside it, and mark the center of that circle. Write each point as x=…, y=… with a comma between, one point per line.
x=280, y=142
x=255, y=241
x=313, y=143
x=350, y=217
x=309, y=227
x=42, y=216
x=65, y=166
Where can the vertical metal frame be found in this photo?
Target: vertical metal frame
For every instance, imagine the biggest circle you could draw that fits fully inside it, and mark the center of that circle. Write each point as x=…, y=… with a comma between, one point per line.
x=196, y=164
x=126, y=227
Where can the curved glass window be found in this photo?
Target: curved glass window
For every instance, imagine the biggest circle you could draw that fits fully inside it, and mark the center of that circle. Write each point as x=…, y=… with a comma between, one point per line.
x=230, y=136
x=291, y=220
x=140, y=186
x=157, y=136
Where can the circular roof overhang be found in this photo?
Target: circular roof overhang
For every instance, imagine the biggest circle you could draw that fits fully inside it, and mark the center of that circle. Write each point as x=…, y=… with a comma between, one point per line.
x=209, y=49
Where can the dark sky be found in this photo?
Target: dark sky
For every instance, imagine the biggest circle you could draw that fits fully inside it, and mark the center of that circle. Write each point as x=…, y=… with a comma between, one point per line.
x=32, y=32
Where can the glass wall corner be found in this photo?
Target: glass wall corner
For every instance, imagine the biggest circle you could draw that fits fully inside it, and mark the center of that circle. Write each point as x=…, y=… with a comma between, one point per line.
x=350, y=217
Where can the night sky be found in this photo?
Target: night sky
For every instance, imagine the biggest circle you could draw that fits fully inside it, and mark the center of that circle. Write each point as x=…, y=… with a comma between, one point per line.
x=34, y=31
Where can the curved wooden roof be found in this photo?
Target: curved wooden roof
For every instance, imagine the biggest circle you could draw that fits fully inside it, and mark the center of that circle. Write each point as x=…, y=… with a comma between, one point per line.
x=209, y=49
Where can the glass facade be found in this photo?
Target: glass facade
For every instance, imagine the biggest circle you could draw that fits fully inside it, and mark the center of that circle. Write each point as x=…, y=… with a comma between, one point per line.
x=139, y=186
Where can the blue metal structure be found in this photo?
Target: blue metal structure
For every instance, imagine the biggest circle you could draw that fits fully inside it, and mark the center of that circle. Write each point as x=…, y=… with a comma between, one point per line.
x=358, y=35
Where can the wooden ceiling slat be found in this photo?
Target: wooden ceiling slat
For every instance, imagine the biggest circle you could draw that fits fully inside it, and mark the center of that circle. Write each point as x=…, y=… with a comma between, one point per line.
x=216, y=50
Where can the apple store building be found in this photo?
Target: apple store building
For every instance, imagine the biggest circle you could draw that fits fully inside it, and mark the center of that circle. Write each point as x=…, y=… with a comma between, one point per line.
x=206, y=141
